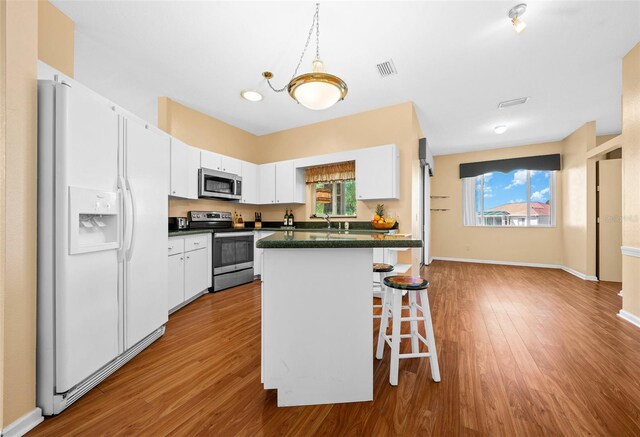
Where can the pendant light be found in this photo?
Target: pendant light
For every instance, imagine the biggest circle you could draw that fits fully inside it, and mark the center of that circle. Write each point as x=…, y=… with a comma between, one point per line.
x=316, y=90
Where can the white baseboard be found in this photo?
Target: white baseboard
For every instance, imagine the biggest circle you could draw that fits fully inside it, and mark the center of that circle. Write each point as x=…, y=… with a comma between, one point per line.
x=504, y=263
x=517, y=263
x=24, y=424
x=578, y=274
x=631, y=318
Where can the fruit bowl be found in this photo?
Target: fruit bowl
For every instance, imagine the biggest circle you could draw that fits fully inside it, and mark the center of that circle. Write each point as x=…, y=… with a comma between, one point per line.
x=386, y=225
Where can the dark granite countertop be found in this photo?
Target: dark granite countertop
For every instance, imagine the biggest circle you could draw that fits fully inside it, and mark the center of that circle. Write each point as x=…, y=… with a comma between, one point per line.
x=277, y=229
x=334, y=240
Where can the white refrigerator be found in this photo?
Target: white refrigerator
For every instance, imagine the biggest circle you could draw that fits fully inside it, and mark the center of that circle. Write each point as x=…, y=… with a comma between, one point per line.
x=102, y=239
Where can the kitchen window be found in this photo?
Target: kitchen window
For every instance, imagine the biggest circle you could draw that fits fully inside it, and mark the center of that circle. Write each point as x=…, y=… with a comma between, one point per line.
x=340, y=198
x=519, y=198
x=333, y=188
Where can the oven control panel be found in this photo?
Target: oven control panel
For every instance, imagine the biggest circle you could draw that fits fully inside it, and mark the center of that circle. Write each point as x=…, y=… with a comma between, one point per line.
x=209, y=216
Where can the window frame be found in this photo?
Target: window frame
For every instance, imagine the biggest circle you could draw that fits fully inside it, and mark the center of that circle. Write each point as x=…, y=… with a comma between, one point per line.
x=552, y=203
x=333, y=199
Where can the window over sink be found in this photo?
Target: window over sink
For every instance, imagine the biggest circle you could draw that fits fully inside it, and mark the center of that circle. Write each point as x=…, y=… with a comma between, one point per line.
x=337, y=199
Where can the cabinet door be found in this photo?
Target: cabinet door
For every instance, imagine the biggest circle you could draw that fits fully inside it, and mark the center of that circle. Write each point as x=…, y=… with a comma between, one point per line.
x=231, y=165
x=210, y=160
x=195, y=272
x=285, y=182
x=176, y=280
x=377, y=173
x=185, y=161
x=266, y=184
x=249, y=183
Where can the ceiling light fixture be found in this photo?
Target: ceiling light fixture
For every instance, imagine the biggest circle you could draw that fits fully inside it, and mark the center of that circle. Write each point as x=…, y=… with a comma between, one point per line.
x=515, y=13
x=251, y=95
x=316, y=90
x=500, y=129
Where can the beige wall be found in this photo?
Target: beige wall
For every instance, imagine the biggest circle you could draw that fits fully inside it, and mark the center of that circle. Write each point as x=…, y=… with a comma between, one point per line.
x=578, y=200
x=55, y=38
x=449, y=238
x=631, y=178
x=19, y=174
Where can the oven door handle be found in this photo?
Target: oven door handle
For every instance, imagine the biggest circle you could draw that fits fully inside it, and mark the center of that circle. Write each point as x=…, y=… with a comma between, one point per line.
x=233, y=234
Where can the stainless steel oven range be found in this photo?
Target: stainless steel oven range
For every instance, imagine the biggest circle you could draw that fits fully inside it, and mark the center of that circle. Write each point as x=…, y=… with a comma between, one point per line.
x=232, y=249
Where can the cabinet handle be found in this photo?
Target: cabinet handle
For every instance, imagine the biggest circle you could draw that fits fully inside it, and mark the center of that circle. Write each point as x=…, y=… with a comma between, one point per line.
x=197, y=243
x=170, y=247
x=188, y=257
x=181, y=259
x=173, y=192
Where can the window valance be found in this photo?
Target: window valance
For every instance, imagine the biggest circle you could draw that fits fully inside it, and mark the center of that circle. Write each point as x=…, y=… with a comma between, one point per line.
x=341, y=171
x=541, y=162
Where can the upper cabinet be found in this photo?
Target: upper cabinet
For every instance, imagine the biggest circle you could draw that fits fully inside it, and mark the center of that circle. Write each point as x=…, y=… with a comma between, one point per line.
x=378, y=173
x=267, y=184
x=289, y=183
x=185, y=162
x=249, y=183
x=280, y=182
x=215, y=161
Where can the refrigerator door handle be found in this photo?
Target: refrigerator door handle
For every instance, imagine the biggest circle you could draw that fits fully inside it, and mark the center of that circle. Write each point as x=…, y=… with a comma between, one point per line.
x=124, y=225
x=133, y=222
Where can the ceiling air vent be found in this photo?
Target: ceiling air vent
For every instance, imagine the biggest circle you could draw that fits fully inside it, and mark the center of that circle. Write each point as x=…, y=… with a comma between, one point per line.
x=387, y=68
x=514, y=102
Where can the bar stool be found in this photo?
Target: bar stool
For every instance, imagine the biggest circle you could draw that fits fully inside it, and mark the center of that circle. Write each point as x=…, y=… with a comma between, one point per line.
x=383, y=269
x=392, y=300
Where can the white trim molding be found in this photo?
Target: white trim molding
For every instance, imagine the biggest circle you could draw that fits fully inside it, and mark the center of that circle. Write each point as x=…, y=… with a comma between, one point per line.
x=630, y=251
x=578, y=274
x=503, y=263
x=631, y=318
x=24, y=424
x=520, y=264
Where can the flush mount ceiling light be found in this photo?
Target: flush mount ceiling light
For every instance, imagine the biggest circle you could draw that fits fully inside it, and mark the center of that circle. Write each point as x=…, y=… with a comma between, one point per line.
x=500, y=129
x=316, y=90
x=251, y=95
x=515, y=13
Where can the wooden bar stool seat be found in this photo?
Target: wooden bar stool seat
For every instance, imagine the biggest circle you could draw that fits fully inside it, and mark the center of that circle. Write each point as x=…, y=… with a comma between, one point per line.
x=414, y=286
x=378, y=287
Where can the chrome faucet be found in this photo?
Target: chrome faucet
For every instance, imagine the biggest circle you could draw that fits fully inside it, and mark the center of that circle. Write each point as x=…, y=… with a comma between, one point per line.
x=328, y=220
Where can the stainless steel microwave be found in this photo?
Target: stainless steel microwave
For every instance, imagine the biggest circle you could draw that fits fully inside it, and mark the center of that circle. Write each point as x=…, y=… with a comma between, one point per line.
x=213, y=184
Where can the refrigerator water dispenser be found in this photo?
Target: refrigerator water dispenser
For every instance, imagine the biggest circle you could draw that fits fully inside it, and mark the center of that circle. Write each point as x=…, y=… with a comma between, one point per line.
x=94, y=223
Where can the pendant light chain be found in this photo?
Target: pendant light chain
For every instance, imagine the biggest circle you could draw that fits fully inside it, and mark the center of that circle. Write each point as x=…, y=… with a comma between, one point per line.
x=316, y=24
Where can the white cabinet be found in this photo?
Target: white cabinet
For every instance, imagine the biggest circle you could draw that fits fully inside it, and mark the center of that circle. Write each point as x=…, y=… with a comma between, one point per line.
x=185, y=161
x=195, y=272
x=176, y=280
x=210, y=160
x=249, y=183
x=280, y=182
x=215, y=161
x=190, y=268
x=267, y=184
x=378, y=173
x=257, y=253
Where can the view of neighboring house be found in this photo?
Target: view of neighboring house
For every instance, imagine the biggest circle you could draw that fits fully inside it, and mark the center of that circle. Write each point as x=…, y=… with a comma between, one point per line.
x=515, y=214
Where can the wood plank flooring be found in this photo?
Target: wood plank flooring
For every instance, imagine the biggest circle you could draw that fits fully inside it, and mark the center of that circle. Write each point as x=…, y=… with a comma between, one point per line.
x=523, y=351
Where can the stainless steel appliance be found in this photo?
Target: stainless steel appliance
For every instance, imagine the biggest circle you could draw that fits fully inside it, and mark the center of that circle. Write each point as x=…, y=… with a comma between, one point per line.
x=177, y=223
x=214, y=184
x=232, y=255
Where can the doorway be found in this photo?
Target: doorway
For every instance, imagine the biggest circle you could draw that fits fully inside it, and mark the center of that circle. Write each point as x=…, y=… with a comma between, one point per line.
x=609, y=217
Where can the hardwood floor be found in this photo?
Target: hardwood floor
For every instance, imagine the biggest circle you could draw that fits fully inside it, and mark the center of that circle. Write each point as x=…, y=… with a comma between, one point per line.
x=523, y=351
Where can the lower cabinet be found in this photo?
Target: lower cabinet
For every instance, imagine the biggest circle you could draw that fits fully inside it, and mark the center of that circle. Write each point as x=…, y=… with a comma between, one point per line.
x=195, y=272
x=257, y=253
x=189, y=268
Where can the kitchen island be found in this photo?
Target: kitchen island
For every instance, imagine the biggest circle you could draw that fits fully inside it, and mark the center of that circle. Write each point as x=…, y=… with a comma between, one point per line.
x=317, y=325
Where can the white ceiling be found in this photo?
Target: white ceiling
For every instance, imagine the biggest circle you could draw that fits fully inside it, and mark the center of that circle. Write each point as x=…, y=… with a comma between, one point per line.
x=456, y=61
